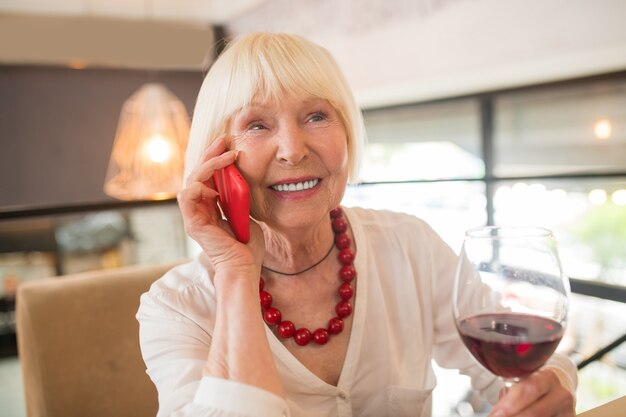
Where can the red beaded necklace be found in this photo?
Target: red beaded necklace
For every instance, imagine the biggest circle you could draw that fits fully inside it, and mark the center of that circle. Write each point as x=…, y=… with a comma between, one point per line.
x=347, y=273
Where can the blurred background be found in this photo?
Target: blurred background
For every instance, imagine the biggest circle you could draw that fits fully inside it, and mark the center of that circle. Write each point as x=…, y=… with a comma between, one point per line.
x=477, y=112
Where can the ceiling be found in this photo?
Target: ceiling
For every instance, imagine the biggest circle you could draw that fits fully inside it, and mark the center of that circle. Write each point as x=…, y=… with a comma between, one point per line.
x=196, y=11
x=392, y=51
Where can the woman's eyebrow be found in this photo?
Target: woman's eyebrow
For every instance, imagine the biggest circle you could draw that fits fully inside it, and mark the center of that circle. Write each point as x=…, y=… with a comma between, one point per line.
x=254, y=103
x=245, y=111
x=314, y=100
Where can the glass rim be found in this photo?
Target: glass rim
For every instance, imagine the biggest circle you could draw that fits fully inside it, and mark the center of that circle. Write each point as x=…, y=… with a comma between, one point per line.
x=508, y=232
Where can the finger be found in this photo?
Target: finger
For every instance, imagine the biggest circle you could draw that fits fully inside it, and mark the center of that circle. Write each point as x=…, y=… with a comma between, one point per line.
x=556, y=403
x=521, y=395
x=195, y=194
x=205, y=170
x=198, y=207
x=217, y=147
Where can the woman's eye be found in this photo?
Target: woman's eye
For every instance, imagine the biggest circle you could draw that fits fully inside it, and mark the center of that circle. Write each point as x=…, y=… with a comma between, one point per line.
x=318, y=117
x=256, y=126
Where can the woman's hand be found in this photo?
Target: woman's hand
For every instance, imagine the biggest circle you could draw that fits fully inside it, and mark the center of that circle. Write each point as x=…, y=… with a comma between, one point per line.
x=539, y=395
x=203, y=220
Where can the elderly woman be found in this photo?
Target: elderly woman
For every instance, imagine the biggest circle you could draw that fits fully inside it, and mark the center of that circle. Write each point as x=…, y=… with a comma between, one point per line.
x=326, y=311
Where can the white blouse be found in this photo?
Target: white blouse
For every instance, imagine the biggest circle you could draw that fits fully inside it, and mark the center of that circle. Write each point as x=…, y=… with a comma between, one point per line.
x=402, y=320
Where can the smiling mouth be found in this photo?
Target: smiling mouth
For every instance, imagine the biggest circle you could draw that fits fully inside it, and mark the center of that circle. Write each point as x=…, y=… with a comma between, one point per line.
x=295, y=186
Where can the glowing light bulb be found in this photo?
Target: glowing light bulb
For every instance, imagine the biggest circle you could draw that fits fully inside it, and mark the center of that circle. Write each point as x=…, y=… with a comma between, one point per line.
x=159, y=149
x=602, y=129
x=597, y=197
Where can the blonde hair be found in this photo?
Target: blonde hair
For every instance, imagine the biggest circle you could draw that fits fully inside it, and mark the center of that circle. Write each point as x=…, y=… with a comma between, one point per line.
x=267, y=65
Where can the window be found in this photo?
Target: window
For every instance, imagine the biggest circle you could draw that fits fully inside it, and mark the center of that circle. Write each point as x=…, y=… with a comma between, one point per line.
x=423, y=142
x=553, y=156
x=587, y=217
x=564, y=130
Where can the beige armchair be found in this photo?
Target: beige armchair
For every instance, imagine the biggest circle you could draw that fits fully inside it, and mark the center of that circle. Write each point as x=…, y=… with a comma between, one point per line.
x=78, y=344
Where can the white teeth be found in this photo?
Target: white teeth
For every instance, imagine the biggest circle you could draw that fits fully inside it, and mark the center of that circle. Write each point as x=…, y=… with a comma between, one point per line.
x=295, y=186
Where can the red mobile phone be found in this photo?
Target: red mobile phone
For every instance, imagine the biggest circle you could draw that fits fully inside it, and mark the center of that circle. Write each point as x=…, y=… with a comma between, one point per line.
x=234, y=200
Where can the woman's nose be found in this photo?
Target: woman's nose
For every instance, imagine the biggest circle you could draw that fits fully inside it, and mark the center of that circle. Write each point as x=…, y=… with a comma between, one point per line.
x=292, y=145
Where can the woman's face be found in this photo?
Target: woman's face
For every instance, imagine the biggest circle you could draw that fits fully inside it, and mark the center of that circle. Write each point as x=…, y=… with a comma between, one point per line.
x=294, y=156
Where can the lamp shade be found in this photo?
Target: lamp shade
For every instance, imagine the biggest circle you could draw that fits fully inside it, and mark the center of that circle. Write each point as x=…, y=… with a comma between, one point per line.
x=149, y=148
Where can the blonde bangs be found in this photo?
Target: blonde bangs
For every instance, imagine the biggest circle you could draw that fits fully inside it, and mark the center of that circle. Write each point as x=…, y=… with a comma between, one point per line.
x=272, y=65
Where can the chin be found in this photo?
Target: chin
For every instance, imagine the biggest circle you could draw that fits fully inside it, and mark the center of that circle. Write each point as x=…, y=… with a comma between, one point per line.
x=302, y=217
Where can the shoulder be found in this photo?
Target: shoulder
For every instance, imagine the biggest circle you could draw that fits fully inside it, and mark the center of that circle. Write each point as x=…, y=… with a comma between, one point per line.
x=388, y=222
x=182, y=276
x=403, y=236
x=183, y=290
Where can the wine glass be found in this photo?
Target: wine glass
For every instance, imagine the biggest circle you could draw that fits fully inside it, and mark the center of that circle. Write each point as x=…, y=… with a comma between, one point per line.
x=510, y=298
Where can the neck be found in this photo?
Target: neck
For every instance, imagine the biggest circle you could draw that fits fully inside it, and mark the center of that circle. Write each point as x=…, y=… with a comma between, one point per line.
x=297, y=250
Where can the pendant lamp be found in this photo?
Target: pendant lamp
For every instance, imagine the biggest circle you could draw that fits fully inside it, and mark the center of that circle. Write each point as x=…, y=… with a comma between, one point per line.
x=149, y=147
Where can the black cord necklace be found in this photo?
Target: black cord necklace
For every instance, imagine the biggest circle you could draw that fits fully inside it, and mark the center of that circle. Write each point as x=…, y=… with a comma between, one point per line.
x=332, y=245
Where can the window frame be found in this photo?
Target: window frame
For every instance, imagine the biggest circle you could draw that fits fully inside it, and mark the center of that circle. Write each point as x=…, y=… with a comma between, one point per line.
x=487, y=117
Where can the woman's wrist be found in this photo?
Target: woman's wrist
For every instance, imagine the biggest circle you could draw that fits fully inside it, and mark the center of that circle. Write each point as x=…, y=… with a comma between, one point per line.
x=228, y=279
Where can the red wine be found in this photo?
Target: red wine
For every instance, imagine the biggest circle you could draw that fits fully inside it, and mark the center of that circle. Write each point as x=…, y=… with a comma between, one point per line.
x=510, y=345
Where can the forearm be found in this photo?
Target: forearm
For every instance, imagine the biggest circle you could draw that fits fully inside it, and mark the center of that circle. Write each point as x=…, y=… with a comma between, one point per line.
x=240, y=350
